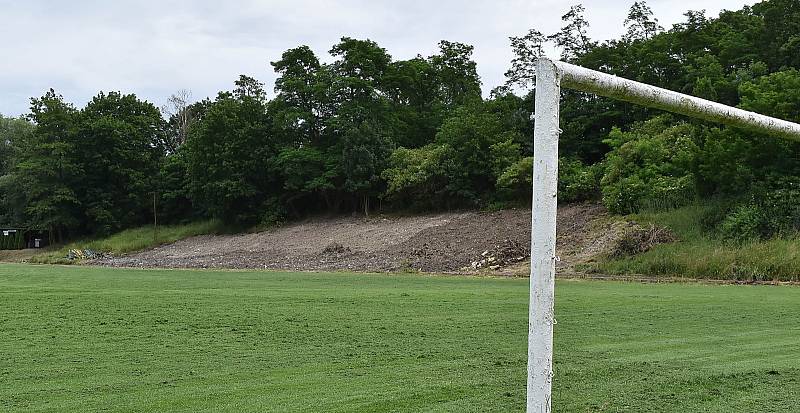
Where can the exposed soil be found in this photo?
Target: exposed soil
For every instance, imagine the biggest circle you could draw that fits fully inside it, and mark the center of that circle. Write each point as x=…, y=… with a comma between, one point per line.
x=18, y=255
x=465, y=242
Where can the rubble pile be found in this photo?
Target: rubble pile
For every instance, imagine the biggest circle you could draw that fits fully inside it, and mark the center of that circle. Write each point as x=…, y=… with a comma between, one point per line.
x=87, y=254
x=423, y=251
x=335, y=249
x=509, y=252
x=637, y=239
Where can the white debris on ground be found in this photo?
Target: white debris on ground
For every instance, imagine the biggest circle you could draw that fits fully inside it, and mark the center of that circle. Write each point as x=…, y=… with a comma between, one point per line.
x=509, y=252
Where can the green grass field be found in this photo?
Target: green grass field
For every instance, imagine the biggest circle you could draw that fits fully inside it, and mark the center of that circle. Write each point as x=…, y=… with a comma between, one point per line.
x=95, y=339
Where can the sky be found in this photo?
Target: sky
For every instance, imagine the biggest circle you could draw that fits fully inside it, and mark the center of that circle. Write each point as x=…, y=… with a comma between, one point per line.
x=154, y=48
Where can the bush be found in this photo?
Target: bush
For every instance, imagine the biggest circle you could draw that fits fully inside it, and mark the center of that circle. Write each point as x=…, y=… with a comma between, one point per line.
x=781, y=204
x=516, y=181
x=416, y=177
x=274, y=213
x=578, y=181
x=745, y=223
x=651, y=166
x=774, y=209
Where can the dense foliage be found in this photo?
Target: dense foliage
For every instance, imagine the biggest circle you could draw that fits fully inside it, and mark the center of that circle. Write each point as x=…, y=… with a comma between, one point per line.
x=365, y=131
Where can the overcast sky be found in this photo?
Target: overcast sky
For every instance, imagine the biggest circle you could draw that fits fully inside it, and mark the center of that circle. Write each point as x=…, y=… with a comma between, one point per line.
x=154, y=47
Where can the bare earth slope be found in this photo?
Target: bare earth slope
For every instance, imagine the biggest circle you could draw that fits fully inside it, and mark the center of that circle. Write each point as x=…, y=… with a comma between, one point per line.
x=447, y=242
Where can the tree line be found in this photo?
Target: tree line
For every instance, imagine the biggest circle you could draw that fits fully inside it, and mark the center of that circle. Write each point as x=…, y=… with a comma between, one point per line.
x=368, y=132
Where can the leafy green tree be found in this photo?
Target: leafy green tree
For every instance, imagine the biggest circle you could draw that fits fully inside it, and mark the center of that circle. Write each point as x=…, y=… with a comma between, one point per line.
x=120, y=147
x=472, y=133
x=362, y=122
x=516, y=117
x=364, y=154
x=458, y=80
x=578, y=181
x=308, y=176
x=309, y=158
x=461, y=167
x=526, y=50
x=726, y=163
x=47, y=171
x=231, y=155
x=777, y=94
x=652, y=166
x=416, y=178
x=411, y=87
x=301, y=105
x=516, y=181
x=640, y=22
x=13, y=132
x=779, y=36
x=175, y=203
x=573, y=38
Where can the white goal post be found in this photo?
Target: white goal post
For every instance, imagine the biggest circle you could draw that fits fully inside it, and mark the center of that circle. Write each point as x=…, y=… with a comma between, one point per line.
x=550, y=76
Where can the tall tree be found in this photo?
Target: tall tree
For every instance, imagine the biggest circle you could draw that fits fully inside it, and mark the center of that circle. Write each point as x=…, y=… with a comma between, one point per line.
x=121, y=145
x=526, y=50
x=458, y=79
x=640, y=22
x=47, y=170
x=573, y=38
x=231, y=155
x=180, y=116
x=364, y=154
x=300, y=113
x=13, y=132
x=411, y=87
x=362, y=124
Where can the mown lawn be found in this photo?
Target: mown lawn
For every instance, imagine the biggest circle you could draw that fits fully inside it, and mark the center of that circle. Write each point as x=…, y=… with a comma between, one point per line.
x=94, y=339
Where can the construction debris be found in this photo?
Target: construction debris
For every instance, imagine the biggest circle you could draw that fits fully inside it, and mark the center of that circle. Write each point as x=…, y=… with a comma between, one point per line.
x=335, y=249
x=509, y=252
x=86, y=254
x=637, y=239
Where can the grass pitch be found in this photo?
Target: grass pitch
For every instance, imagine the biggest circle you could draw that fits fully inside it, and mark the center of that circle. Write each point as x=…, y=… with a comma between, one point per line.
x=95, y=339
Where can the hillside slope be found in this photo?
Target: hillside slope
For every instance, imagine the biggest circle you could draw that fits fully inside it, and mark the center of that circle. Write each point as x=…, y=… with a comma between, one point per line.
x=447, y=242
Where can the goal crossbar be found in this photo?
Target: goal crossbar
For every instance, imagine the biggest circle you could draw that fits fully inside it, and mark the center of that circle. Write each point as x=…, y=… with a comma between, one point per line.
x=550, y=76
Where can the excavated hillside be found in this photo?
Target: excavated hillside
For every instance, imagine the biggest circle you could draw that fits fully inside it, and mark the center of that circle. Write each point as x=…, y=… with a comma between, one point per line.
x=464, y=242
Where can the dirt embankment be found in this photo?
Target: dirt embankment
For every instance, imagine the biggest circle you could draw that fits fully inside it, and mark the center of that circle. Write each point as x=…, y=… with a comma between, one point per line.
x=448, y=242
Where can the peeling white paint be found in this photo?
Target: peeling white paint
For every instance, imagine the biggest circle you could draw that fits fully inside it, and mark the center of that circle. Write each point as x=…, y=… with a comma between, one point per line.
x=550, y=75
x=543, y=238
x=603, y=84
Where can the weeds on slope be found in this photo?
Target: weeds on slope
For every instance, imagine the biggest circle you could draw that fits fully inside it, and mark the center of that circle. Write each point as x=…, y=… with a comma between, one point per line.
x=130, y=240
x=703, y=253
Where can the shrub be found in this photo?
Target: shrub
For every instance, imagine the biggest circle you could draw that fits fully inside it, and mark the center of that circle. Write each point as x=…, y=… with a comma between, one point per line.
x=516, y=181
x=774, y=209
x=274, y=213
x=578, y=181
x=745, y=223
x=781, y=203
x=651, y=166
x=417, y=176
